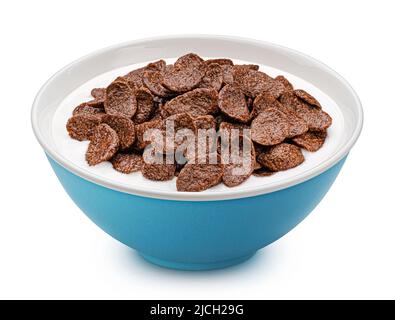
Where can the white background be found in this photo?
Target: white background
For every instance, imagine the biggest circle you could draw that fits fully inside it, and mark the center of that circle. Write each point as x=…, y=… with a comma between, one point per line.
x=344, y=249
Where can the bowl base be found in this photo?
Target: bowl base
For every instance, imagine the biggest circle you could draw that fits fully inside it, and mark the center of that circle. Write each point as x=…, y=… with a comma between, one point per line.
x=196, y=266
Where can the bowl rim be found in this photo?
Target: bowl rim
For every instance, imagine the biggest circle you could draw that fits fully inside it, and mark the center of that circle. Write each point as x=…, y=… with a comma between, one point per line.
x=198, y=196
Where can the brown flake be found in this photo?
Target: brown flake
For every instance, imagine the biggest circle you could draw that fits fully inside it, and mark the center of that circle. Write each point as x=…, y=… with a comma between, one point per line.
x=134, y=78
x=270, y=127
x=227, y=74
x=287, y=85
x=281, y=157
x=81, y=126
x=213, y=77
x=186, y=73
x=307, y=97
x=311, y=140
x=228, y=70
x=254, y=82
x=103, y=145
x=205, y=122
x=198, y=102
x=316, y=119
x=227, y=126
x=140, y=144
x=127, y=162
x=120, y=100
x=87, y=108
x=158, y=172
x=247, y=66
x=264, y=101
x=145, y=105
x=236, y=173
x=181, y=121
x=297, y=125
x=124, y=128
x=232, y=102
x=159, y=65
x=220, y=61
x=98, y=93
x=153, y=79
x=195, y=177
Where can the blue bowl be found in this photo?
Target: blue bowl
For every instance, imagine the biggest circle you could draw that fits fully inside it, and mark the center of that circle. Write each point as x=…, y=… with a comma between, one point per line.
x=197, y=235
x=192, y=231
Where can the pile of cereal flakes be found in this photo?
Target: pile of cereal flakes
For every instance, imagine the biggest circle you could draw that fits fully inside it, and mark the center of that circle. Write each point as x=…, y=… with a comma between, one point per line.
x=264, y=115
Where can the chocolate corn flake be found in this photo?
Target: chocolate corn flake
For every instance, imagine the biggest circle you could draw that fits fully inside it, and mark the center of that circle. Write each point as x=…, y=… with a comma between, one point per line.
x=159, y=65
x=297, y=125
x=232, y=103
x=287, y=85
x=81, y=126
x=213, y=77
x=247, y=66
x=254, y=82
x=281, y=157
x=120, y=100
x=87, y=108
x=189, y=60
x=153, y=79
x=158, y=172
x=205, y=122
x=103, y=145
x=180, y=121
x=316, y=119
x=195, y=177
x=227, y=73
x=124, y=128
x=140, y=143
x=270, y=127
x=306, y=97
x=220, y=61
x=145, y=105
x=228, y=127
x=98, y=105
x=198, y=102
x=289, y=100
x=311, y=140
x=236, y=171
x=98, y=93
x=264, y=101
x=186, y=74
x=127, y=162
x=134, y=78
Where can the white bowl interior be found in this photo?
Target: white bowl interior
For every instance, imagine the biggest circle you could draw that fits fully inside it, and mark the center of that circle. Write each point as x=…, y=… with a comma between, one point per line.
x=72, y=85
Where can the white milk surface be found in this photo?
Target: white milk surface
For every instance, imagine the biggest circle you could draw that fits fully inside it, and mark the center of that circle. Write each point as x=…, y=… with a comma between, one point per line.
x=74, y=150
